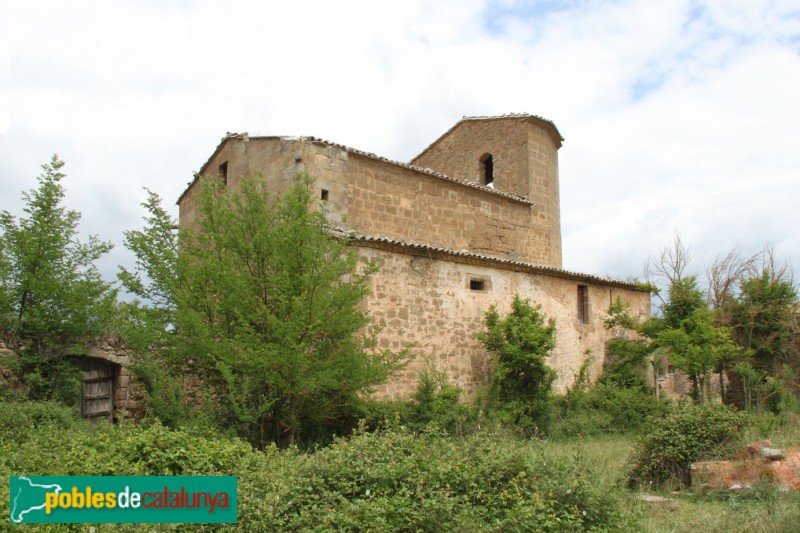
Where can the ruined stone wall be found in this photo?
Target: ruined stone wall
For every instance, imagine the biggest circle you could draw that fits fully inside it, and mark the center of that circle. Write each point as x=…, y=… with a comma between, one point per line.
x=428, y=303
x=128, y=395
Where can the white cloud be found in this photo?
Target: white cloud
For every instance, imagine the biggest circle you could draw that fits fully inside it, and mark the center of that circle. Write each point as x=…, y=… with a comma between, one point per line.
x=678, y=115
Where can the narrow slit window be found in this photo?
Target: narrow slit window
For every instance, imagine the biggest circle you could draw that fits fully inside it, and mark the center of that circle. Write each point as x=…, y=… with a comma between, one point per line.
x=323, y=195
x=477, y=285
x=487, y=168
x=583, y=304
x=223, y=172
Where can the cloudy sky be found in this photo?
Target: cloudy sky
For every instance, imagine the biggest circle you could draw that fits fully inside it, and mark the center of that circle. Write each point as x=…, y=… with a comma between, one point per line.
x=679, y=116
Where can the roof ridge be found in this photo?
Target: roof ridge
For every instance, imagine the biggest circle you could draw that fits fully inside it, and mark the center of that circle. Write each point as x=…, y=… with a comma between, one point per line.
x=493, y=117
x=422, y=170
x=381, y=240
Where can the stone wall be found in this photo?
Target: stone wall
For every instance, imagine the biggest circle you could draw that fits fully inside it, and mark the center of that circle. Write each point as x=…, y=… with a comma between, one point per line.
x=439, y=201
x=128, y=401
x=410, y=206
x=427, y=304
x=525, y=160
x=276, y=159
x=375, y=197
x=128, y=395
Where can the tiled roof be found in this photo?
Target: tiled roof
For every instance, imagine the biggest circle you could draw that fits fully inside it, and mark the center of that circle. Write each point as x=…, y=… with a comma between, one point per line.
x=348, y=149
x=436, y=252
x=524, y=116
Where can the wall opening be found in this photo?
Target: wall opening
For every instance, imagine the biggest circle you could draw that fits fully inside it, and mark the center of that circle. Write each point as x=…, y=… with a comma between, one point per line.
x=583, y=304
x=323, y=195
x=97, y=389
x=477, y=285
x=487, y=170
x=223, y=172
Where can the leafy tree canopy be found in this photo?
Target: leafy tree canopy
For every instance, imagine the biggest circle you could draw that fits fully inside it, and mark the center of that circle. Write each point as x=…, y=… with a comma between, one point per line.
x=266, y=309
x=51, y=293
x=154, y=278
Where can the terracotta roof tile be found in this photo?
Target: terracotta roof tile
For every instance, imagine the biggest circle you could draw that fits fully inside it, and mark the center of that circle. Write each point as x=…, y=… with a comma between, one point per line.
x=476, y=258
x=245, y=137
x=537, y=118
x=422, y=170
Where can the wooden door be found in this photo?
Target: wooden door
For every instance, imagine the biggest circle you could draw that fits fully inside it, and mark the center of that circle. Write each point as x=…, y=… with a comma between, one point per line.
x=98, y=394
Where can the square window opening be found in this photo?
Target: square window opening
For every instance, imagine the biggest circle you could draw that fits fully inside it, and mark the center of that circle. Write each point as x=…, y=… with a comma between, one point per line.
x=323, y=195
x=477, y=285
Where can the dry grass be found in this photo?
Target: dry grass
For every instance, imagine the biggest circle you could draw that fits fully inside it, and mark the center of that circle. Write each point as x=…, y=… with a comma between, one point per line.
x=761, y=509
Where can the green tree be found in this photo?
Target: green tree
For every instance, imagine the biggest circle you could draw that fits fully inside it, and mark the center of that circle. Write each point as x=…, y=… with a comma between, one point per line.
x=763, y=322
x=150, y=328
x=755, y=298
x=266, y=311
x=697, y=346
x=52, y=294
x=521, y=379
x=686, y=328
x=764, y=319
x=154, y=278
x=626, y=358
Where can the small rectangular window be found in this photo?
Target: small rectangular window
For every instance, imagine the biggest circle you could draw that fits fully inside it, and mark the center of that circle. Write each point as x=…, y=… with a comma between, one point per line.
x=477, y=285
x=583, y=304
x=324, y=195
x=223, y=172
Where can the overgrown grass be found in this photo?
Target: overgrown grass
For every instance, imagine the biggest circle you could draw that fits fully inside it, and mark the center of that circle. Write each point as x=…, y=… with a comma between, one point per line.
x=607, y=454
x=764, y=509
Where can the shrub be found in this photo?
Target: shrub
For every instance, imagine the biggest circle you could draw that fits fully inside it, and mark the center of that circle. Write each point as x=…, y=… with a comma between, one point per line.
x=397, y=481
x=19, y=419
x=435, y=403
x=605, y=409
x=392, y=480
x=669, y=446
x=521, y=380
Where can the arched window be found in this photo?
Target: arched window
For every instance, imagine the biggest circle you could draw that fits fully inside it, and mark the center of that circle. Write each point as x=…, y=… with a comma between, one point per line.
x=487, y=170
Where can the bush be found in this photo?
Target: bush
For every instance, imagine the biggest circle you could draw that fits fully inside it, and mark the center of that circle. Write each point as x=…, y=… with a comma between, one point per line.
x=19, y=419
x=669, y=446
x=436, y=404
x=521, y=380
x=393, y=480
x=605, y=409
x=397, y=481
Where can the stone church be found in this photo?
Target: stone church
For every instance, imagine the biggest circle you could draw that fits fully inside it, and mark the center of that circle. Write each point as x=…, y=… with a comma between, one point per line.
x=469, y=222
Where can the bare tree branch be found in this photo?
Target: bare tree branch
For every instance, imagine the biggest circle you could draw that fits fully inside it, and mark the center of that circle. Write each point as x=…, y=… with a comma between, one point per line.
x=670, y=264
x=725, y=273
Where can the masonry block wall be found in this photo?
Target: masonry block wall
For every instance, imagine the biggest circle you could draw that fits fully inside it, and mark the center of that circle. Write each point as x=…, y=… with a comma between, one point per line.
x=438, y=226
x=429, y=304
x=524, y=151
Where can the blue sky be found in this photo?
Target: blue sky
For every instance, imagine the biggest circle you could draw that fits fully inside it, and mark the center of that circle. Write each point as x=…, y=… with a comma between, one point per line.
x=679, y=116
